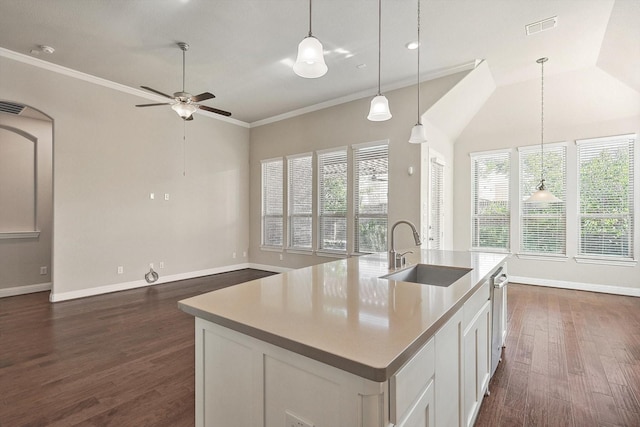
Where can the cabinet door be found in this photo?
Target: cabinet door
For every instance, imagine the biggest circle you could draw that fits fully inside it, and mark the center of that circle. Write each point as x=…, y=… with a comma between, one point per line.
x=449, y=372
x=423, y=413
x=477, y=362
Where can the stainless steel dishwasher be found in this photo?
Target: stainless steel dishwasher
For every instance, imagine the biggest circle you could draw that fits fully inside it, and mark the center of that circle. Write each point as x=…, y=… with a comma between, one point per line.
x=499, y=281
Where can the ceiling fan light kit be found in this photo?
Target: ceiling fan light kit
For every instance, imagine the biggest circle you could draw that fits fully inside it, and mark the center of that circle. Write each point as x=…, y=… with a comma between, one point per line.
x=379, y=110
x=310, y=61
x=185, y=104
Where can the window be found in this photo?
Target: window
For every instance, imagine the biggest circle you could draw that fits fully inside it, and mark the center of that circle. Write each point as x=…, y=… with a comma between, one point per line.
x=371, y=184
x=436, y=204
x=272, y=221
x=332, y=200
x=490, y=200
x=543, y=225
x=300, y=196
x=605, y=176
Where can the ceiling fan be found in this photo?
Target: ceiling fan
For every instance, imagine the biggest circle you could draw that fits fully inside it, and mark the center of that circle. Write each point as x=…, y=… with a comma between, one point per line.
x=184, y=103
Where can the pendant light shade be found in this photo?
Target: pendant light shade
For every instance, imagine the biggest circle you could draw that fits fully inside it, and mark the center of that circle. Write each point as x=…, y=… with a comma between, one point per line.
x=379, y=110
x=310, y=61
x=183, y=109
x=418, y=135
x=542, y=195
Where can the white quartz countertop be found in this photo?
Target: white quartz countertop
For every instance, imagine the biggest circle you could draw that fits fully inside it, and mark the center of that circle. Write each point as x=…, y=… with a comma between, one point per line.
x=342, y=313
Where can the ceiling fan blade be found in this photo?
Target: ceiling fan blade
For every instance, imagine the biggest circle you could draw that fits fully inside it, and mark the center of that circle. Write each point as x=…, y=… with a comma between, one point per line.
x=202, y=97
x=214, y=110
x=152, y=105
x=156, y=91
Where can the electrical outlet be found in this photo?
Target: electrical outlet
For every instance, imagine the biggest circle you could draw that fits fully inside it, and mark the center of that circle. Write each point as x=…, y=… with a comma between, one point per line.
x=120, y=269
x=150, y=265
x=234, y=255
x=294, y=421
x=152, y=196
x=166, y=196
x=244, y=254
x=43, y=270
x=161, y=264
x=281, y=257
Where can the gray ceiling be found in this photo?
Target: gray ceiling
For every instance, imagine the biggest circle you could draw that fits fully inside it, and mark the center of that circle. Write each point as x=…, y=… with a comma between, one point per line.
x=242, y=50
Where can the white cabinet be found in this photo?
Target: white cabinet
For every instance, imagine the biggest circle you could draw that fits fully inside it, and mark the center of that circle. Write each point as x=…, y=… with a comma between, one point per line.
x=477, y=362
x=463, y=358
x=449, y=348
x=411, y=390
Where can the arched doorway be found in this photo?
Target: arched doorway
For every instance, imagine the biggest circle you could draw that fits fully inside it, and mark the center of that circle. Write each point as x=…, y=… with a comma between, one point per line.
x=26, y=199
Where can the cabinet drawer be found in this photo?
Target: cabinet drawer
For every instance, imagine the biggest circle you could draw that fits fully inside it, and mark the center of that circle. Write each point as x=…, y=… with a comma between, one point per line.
x=475, y=303
x=410, y=381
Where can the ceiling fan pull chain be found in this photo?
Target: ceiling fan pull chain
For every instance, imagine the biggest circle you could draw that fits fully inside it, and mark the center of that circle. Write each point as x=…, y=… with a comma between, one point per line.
x=184, y=148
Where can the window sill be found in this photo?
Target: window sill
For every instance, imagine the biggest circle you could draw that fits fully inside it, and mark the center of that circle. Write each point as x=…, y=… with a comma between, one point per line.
x=331, y=254
x=300, y=251
x=272, y=248
x=491, y=250
x=8, y=235
x=546, y=257
x=606, y=261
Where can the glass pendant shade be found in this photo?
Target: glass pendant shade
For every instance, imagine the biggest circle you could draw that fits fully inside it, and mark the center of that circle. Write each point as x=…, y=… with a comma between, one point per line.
x=183, y=109
x=542, y=196
x=310, y=61
x=379, y=110
x=417, y=134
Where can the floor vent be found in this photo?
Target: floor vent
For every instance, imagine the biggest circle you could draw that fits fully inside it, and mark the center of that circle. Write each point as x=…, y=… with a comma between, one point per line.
x=11, y=108
x=544, y=25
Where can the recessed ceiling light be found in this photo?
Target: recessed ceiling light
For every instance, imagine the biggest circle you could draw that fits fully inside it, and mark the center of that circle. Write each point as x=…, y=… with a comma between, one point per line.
x=412, y=45
x=42, y=49
x=361, y=66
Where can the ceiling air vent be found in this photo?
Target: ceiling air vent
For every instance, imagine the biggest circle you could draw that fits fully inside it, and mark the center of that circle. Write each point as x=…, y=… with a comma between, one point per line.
x=544, y=25
x=11, y=108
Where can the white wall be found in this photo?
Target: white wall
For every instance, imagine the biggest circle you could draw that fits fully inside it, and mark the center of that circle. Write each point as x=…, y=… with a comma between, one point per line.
x=108, y=157
x=582, y=104
x=344, y=125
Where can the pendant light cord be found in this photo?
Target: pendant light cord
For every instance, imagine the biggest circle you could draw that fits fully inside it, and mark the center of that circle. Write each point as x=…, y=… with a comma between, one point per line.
x=379, y=42
x=542, y=124
x=183, y=68
x=310, y=18
x=418, y=76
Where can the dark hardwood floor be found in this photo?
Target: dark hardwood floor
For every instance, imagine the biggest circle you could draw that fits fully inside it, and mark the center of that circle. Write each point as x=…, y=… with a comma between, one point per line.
x=122, y=359
x=127, y=359
x=572, y=358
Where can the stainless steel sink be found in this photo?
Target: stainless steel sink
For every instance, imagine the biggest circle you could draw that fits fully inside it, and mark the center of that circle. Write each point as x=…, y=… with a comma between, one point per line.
x=427, y=274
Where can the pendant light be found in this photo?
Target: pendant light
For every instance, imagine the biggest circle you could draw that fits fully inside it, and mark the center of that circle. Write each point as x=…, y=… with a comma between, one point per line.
x=310, y=61
x=379, y=110
x=542, y=195
x=417, y=132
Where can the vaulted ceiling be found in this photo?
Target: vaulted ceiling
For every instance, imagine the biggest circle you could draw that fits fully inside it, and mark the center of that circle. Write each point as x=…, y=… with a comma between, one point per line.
x=242, y=50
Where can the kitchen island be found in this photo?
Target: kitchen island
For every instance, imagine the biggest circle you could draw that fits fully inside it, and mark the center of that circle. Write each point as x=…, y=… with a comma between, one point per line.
x=336, y=344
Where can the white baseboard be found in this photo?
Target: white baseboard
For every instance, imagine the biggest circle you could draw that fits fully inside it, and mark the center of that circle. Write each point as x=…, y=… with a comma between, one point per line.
x=272, y=268
x=99, y=290
x=27, y=289
x=591, y=287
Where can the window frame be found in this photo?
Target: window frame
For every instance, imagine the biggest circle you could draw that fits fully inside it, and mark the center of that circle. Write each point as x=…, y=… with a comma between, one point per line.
x=630, y=259
x=291, y=208
x=474, y=216
x=522, y=195
x=263, y=214
x=320, y=155
x=357, y=216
